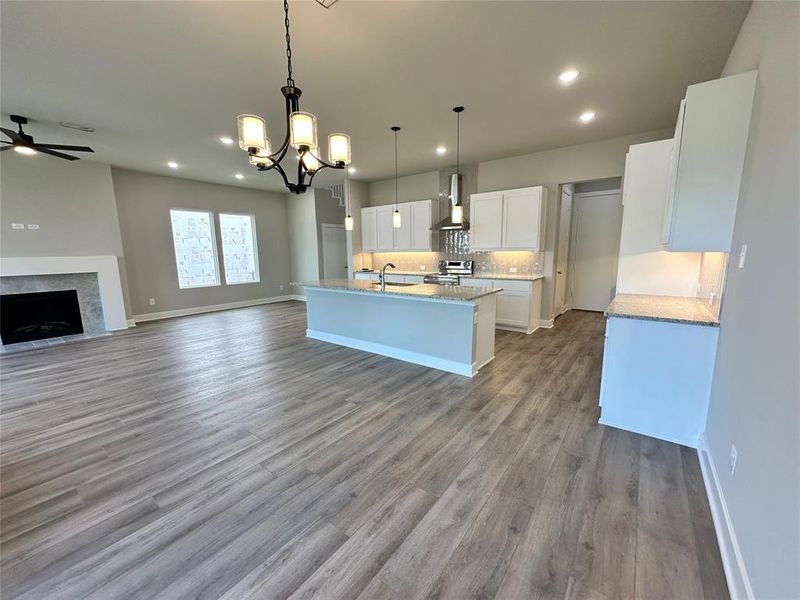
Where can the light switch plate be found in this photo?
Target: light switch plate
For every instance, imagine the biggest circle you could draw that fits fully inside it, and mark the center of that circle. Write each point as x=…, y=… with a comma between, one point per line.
x=33, y=226
x=18, y=226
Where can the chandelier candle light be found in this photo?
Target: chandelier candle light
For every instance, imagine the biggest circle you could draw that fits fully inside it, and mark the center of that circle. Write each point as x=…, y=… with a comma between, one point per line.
x=301, y=134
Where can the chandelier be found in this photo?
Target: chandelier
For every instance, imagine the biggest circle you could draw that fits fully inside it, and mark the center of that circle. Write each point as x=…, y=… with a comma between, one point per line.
x=301, y=135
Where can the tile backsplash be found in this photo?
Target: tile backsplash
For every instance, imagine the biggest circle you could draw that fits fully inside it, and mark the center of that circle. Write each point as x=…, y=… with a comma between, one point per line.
x=455, y=246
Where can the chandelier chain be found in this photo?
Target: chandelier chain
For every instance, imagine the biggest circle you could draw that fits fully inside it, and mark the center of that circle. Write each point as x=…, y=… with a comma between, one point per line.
x=290, y=79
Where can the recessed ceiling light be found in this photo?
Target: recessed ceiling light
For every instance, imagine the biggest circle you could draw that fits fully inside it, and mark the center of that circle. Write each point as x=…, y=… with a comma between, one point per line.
x=239, y=176
x=226, y=140
x=172, y=164
x=568, y=76
x=351, y=170
x=587, y=116
x=441, y=150
x=26, y=150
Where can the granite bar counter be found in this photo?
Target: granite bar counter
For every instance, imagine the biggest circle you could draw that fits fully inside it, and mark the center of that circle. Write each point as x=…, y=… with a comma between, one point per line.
x=450, y=328
x=670, y=309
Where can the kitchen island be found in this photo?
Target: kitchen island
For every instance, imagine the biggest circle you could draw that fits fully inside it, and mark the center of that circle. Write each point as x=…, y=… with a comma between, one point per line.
x=444, y=327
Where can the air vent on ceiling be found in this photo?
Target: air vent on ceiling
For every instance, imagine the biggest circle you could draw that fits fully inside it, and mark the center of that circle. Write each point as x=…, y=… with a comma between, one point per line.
x=69, y=125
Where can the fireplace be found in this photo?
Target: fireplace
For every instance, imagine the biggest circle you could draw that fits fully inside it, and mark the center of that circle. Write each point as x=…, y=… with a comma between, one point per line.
x=39, y=315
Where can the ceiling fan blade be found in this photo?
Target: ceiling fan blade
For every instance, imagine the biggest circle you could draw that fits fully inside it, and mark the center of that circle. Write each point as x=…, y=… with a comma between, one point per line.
x=57, y=154
x=5, y=148
x=63, y=147
x=15, y=137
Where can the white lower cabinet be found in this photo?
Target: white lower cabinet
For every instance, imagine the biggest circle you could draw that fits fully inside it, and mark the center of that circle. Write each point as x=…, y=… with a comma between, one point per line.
x=519, y=304
x=657, y=378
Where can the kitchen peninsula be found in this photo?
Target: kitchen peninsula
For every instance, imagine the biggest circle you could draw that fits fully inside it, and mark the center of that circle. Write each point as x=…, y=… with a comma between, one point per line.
x=444, y=327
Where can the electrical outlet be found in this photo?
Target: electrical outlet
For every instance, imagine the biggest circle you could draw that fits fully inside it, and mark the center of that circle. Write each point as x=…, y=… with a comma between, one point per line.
x=422, y=267
x=281, y=287
x=742, y=255
x=732, y=459
x=18, y=226
x=152, y=301
x=513, y=269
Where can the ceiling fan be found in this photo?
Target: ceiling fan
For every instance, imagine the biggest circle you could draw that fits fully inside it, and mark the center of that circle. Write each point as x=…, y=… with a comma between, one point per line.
x=23, y=143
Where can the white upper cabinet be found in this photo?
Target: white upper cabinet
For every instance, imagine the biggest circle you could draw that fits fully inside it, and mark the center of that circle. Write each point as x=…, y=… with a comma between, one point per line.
x=508, y=220
x=369, y=229
x=486, y=220
x=414, y=233
x=522, y=218
x=423, y=215
x=711, y=139
x=402, y=235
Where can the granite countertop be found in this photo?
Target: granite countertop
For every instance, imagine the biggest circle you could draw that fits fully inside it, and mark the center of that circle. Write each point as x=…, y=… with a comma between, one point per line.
x=419, y=290
x=507, y=276
x=672, y=309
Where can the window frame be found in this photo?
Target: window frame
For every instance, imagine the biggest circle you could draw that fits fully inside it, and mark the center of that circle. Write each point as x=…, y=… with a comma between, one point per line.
x=256, y=263
x=212, y=225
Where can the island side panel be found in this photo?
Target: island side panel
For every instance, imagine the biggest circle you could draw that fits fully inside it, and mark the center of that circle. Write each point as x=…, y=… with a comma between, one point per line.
x=424, y=331
x=483, y=340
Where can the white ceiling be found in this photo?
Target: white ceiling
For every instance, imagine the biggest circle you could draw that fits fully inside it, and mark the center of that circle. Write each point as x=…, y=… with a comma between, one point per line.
x=164, y=80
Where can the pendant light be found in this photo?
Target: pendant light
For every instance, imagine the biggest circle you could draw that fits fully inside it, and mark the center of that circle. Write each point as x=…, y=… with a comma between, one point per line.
x=396, y=219
x=348, y=220
x=301, y=136
x=457, y=211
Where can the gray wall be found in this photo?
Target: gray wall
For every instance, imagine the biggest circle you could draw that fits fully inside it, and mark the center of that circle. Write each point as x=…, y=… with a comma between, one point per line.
x=72, y=202
x=755, y=397
x=422, y=186
x=303, y=245
x=143, y=204
x=601, y=185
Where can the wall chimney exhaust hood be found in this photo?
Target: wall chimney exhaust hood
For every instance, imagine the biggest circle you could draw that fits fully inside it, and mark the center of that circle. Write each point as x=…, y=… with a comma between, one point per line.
x=447, y=224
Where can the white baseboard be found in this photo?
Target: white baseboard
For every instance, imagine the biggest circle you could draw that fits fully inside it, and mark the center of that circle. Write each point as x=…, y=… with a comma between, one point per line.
x=131, y=322
x=196, y=310
x=546, y=323
x=299, y=297
x=732, y=561
x=405, y=355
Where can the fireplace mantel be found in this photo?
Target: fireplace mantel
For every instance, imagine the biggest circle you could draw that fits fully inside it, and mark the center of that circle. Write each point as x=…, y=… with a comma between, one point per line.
x=108, y=278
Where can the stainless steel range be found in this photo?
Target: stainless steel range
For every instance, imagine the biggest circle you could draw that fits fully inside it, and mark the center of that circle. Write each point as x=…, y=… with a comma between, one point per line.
x=450, y=272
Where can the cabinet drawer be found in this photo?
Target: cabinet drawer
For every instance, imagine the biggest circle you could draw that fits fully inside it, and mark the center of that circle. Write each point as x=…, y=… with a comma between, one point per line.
x=512, y=285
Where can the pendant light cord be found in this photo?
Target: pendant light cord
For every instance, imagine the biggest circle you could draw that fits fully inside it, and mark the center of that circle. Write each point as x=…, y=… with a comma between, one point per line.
x=290, y=79
x=395, y=169
x=458, y=140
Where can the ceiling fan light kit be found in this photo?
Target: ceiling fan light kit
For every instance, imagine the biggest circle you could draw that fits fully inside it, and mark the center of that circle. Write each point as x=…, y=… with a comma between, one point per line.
x=301, y=135
x=23, y=143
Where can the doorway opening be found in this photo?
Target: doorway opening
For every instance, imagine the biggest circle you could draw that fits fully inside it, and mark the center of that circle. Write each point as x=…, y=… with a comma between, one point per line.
x=587, y=246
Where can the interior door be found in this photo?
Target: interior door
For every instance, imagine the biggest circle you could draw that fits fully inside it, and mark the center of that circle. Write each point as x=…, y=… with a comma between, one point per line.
x=598, y=225
x=562, y=252
x=334, y=251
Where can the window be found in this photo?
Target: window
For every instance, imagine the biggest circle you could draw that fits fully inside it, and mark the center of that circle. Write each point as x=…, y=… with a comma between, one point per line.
x=239, y=249
x=195, y=248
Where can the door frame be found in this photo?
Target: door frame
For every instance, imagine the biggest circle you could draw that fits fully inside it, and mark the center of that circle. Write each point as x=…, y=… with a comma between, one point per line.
x=333, y=226
x=560, y=310
x=573, y=232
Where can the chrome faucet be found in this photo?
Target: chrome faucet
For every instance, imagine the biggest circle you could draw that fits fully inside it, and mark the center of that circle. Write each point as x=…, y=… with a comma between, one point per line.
x=382, y=275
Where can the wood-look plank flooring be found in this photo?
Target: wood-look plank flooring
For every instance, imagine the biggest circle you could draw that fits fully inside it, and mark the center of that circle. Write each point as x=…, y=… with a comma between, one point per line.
x=227, y=456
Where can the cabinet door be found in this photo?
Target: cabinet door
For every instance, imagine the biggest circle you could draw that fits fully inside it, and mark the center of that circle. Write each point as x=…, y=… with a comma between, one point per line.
x=716, y=123
x=672, y=174
x=486, y=221
x=369, y=229
x=421, y=225
x=385, y=230
x=513, y=308
x=402, y=235
x=522, y=218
